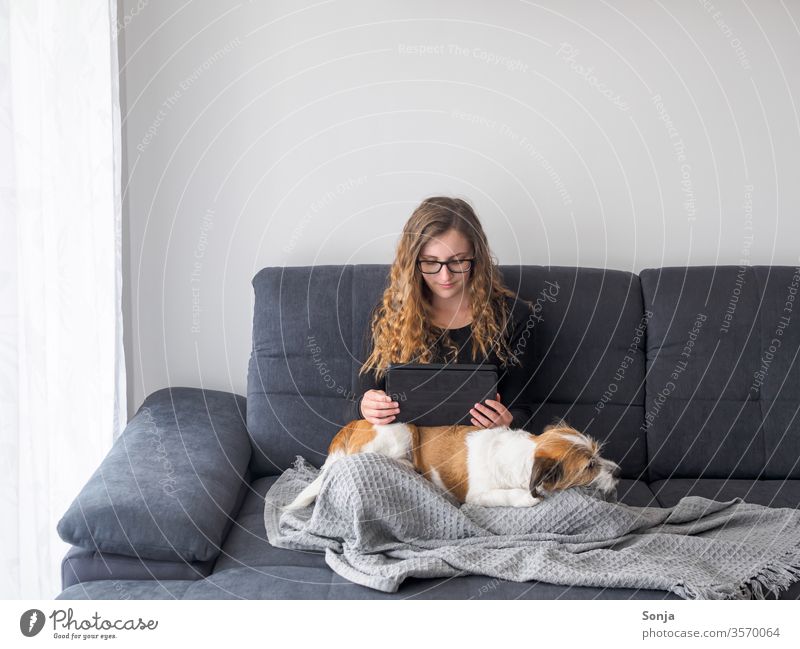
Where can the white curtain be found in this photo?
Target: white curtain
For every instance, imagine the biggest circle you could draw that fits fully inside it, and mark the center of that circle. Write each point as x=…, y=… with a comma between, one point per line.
x=62, y=378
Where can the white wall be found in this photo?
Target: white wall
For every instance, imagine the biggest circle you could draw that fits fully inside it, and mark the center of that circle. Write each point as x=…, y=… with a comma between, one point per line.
x=622, y=134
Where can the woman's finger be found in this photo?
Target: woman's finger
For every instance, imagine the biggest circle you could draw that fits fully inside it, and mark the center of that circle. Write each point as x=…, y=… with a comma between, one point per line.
x=383, y=406
x=489, y=412
x=383, y=412
x=380, y=414
x=483, y=421
x=503, y=416
x=382, y=420
x=380, y=398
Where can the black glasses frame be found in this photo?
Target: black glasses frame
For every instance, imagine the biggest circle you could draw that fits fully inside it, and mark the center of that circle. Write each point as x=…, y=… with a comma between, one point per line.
x=443, y=263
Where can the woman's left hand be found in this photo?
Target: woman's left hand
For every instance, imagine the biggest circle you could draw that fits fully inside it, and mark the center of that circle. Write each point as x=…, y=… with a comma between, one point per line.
x=491, y=415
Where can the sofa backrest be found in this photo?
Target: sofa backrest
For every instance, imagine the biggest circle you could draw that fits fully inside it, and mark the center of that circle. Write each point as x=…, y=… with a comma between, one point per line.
x=309, y=326
x=723, y=382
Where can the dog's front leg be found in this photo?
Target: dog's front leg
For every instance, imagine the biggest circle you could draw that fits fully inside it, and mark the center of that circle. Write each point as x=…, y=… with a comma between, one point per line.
x=503, y=498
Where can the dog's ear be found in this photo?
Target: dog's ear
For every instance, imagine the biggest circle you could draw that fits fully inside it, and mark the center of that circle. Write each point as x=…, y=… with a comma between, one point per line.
x=546, y=474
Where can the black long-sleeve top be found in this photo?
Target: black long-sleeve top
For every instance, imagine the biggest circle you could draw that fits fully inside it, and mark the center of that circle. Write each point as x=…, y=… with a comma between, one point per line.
x=512, y=379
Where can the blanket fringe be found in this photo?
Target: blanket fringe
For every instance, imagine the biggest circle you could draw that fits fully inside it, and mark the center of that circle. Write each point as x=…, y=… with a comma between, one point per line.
x=770, y=579
x=775, y=577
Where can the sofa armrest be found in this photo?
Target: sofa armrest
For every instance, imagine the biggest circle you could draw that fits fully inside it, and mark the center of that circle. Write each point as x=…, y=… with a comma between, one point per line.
x=168, y=486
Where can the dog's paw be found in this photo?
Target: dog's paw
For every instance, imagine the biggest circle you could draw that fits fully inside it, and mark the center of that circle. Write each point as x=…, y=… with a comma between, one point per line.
x=522, y=498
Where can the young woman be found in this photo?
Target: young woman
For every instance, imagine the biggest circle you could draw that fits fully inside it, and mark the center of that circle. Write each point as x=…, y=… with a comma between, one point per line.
x=446, y=303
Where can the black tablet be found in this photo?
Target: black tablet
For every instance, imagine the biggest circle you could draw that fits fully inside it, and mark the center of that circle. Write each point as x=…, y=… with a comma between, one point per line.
x=439, y=394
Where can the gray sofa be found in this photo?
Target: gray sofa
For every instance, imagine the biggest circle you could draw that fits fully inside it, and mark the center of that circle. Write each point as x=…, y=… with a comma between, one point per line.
x=676, y=369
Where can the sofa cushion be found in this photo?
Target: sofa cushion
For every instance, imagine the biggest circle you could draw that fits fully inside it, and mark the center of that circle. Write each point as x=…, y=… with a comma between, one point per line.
x=588, y=351
x=297, y=582
x=80, y=565
x=127, y=589
x=770, y=493
x=309, y=326
x=300, y=374
x=723, y=381
x=170, y=483
x=293, y=582
x=247, y=543
x=636, y=493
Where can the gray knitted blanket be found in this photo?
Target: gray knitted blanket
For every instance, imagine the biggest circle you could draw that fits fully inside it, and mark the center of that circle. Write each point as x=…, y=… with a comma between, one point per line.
x=379, y=522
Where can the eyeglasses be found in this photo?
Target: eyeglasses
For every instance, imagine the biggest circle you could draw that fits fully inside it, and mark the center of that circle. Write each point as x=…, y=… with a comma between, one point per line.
x=430, y=267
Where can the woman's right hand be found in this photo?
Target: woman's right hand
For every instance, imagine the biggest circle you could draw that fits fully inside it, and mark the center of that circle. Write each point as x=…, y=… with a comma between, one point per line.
x=378, y=408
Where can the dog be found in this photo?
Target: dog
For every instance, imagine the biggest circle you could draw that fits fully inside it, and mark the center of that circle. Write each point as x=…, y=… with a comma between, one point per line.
x=493, y=467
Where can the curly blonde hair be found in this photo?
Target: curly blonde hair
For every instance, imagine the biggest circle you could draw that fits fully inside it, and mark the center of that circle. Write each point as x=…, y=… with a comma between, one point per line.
x=401, y=322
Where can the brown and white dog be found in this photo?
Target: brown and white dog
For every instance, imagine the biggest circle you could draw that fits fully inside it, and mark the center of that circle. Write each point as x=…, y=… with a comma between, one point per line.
x=493, y=467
